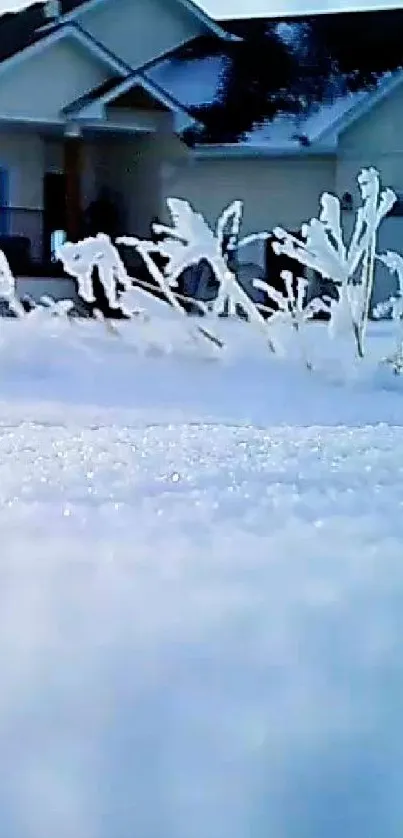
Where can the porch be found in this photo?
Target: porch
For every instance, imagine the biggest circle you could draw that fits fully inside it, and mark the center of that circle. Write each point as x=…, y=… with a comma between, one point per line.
x=63, y=180
x=123, y=140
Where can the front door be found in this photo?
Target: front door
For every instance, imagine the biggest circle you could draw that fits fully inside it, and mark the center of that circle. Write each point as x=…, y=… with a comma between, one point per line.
x=54, y=216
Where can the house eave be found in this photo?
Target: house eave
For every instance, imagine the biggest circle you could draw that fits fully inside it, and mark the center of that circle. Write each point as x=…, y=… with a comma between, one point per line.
x=17, y=119
x=96, y=109
x=251, y=151
x=190, y=5
x=65, y=30
x=369, y=100
x=99, y=126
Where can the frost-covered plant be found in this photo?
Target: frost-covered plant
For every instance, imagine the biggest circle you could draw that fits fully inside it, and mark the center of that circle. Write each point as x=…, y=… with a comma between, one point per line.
x=189, y=241
x=79, y=260
x=394, y=263
x=292, y=308
x=323, y=249
x=376, y=205
x=56, y=308
x=393, y=306
x=165, y=283
x=46, y=310
x=8, y=291
x=146, y=248
x=185, y=243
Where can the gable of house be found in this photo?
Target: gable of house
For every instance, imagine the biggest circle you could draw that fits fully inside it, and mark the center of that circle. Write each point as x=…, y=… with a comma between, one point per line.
x=59, y=58
x=140, y=30
x=41, y=85
x=379, y=129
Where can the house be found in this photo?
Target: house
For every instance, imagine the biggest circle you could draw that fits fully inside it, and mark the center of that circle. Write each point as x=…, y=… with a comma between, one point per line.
x=297, y=107
x=153, y=98
x=80, y=110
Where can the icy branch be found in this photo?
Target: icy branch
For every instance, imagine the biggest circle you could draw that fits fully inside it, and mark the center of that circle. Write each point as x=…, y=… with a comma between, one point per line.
x=8, y=287
x=394, y=306
x=79, y=260
x=324, y=250
x=291, y=306
x=394, y=262
x=189, y=241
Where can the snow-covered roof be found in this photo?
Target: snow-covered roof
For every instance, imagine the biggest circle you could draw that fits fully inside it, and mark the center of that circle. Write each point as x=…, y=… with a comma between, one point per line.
x=193, y=82
x=200, y=83
x=291, y=131
x=291, y=82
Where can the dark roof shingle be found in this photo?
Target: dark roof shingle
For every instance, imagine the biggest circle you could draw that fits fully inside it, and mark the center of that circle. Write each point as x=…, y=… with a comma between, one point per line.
x=294, y=65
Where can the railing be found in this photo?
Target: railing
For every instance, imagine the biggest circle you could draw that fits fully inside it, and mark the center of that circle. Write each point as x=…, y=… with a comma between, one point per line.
x=24, y=223
x=26, y=242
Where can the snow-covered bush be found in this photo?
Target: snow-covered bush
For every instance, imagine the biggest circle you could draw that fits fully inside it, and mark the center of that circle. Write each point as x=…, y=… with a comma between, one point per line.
x=292, y=309
x=189, y=241
x=350, y=266
x=51, y=308
x=79, y=260
x=8, y=287
x=393, y=306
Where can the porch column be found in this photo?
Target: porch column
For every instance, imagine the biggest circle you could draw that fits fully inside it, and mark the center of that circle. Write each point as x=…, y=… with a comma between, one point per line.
x=72, y=173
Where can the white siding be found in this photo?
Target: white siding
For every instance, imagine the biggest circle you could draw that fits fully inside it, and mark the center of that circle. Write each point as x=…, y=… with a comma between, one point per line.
x=375, y=139
x=274, y=192
x=40, y=86
x=140, y=30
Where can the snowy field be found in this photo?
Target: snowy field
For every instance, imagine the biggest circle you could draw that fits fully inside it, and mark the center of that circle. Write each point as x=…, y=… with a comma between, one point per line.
x=201, y=589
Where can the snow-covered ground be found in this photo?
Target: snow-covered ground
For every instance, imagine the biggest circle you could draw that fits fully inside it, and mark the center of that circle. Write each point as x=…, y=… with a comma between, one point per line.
x=201, y=588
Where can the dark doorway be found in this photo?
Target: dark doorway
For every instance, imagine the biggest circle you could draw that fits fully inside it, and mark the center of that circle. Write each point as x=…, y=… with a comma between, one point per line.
x=54, y=206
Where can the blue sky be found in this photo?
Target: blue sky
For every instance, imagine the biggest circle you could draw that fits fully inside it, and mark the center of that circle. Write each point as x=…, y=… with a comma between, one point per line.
x=244, y=8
